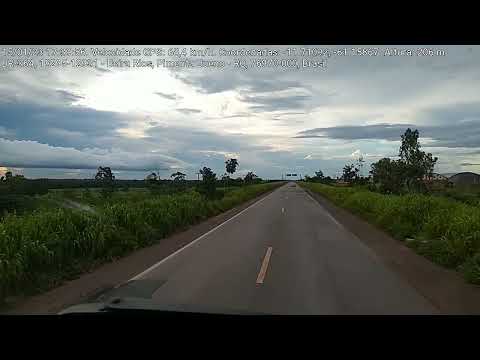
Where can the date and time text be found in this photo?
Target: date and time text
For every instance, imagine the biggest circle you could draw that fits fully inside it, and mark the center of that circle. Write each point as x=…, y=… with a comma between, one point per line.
x=295, y=58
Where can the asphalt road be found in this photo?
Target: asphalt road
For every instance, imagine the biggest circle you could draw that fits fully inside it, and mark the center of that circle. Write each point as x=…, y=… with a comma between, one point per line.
x=285, y=254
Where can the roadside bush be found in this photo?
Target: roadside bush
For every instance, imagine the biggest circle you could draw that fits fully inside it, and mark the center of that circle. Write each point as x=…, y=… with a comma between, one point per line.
x=445, y=231
x=41, y=248
x=471, y=269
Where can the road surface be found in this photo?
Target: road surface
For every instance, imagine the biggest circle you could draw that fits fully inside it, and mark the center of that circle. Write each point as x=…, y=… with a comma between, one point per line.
x=285, y=254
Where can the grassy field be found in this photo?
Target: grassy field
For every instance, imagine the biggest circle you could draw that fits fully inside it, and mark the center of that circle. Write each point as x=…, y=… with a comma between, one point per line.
x=468, y=194
x=40, y=249
x=444, y=230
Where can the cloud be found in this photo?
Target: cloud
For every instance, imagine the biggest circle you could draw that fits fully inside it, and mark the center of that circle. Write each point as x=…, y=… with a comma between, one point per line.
x=32, y=154
x=187, y=111
x=59, y=126
x=456, y=134
x=356, y=154
x=378, y=131
x=168, y=96
x=275, y=103
x=468, y=164
x=69, y=96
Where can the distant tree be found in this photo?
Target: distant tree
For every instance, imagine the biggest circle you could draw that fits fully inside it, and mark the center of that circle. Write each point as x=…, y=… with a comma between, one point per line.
x=388, y=175
x=225, y=179
x=230, y=166
x=8, y=176
x=208, y=183
x=416, y=163
x=250, y=178
x=319, y=175
x=104, y=174
x=153, y=182
x=350, y=173
x=328, y=180
x=360, y=164
x=178, y=176
x=151, y=177
x=179, y=183
x=106, y=180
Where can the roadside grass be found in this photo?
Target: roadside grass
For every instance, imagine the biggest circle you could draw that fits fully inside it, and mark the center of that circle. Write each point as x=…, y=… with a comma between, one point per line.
x=40, y=249
x=468, y=194
x=444, y=230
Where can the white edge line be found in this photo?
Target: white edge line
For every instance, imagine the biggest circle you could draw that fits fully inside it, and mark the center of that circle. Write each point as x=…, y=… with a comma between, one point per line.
x=154, y=266
x=326, y=211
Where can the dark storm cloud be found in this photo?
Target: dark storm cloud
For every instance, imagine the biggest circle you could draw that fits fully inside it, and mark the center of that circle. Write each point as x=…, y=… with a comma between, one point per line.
x=455, y=135
x=58, y=126
x=378, y=131
x=169, y=96
x=33, y=154
x=187, y=111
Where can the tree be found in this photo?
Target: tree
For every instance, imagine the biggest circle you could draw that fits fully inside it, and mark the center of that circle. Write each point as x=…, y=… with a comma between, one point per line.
x=106, y=179
x=416, y=163
x=360, y=163
x=178, y=176
x=178, y=181
x=408, y=171
x=388, y=175
x=319, y=175
x=153, y=182
x=151, y=177
x=350, y=173
x=104, y=174
x=250, y=178
x=208, y=183
x=230, y=166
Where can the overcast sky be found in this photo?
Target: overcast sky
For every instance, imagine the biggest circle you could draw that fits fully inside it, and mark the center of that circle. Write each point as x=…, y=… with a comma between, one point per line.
x=66, y=122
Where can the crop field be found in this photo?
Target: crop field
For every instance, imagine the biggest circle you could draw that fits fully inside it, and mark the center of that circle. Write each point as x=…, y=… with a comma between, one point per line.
x=52, y=243
x=445, y=230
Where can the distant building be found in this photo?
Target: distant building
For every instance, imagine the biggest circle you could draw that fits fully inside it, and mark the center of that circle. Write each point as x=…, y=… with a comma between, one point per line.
x=435, y=177
x=465, y=178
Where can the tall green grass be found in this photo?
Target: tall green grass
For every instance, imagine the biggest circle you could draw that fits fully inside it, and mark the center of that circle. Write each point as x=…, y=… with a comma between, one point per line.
x=444, y=230
x=39, y=249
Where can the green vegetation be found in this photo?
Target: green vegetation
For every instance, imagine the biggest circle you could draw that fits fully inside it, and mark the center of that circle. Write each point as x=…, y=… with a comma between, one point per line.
x=468, y=194
x=443, y=230
x=48, y=245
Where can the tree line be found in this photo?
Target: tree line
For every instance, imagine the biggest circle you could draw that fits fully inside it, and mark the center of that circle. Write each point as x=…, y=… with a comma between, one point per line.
x=406, y=174
x=177, y=182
